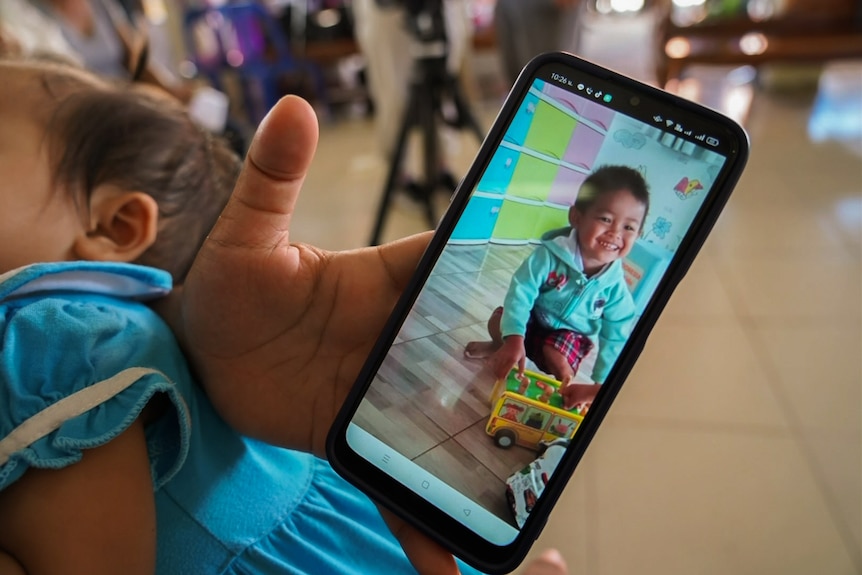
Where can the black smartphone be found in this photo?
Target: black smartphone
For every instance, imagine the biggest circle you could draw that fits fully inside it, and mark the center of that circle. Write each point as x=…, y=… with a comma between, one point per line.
x=587, y=202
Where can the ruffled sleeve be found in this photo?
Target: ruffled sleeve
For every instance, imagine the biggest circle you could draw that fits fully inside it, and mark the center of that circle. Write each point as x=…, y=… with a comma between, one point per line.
x=76, y=370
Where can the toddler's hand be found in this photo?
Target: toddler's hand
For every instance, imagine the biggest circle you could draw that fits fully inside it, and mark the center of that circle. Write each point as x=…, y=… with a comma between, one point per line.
x=511, y=353
x=575, y=393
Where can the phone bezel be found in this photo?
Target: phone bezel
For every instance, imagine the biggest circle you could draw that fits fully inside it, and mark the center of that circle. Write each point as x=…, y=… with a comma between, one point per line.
x=462, y=541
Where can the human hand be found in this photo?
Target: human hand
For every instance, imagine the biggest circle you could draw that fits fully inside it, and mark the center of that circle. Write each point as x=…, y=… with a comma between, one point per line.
x=9, y=565
x=427, y=557
x=575, y=393
x=277, y=332
x=511, y=353
x=550, y=562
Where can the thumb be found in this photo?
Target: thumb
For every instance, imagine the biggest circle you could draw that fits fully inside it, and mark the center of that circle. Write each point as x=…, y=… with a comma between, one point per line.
x=262, y=204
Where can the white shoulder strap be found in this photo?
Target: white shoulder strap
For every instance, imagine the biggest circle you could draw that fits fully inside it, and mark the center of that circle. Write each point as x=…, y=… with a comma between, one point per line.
x=53, y=416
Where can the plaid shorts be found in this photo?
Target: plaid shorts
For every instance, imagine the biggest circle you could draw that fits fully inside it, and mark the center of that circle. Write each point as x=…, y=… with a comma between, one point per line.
x=573, y=345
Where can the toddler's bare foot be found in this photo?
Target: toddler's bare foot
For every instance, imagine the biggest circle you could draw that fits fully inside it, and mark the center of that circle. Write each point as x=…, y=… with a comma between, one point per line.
x=550, y=562
x=480, y=349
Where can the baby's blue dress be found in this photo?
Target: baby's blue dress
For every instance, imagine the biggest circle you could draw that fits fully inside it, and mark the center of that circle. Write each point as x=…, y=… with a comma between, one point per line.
x=79, y=346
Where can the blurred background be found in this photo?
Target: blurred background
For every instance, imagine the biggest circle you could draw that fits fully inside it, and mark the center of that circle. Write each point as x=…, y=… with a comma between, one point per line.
x=736, y=444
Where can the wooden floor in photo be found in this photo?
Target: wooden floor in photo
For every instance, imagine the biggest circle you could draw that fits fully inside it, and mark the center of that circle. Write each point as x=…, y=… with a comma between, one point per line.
x=430, y=402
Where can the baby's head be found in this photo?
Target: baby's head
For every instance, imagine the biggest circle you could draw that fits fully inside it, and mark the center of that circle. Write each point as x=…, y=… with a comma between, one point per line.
x=94, y=171
x=608, y=214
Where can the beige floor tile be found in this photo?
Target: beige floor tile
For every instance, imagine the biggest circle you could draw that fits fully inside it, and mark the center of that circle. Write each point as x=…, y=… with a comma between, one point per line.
x=568, y=529
x=819, y=373
x=822, y=175
x=836, y=462
x=785, y=164
x=700, y=375
x=761, y=186
x=701, y=296
x=848, y=223
x=789, y=289
x=777, y=230
x=680, y=503
x=818, y=381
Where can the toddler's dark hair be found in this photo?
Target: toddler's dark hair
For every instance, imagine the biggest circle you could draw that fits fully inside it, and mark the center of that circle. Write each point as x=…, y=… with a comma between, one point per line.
x=607, y=179
x=140, y=141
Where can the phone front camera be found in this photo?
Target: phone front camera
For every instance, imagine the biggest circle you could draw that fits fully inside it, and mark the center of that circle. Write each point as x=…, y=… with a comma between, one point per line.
x=634, y=100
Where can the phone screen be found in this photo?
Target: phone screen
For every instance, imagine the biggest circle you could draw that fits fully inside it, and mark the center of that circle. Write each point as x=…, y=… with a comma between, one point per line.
x=553, y=240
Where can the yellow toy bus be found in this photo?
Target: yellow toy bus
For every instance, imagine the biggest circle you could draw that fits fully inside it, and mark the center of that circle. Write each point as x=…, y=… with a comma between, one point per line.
x=528, y=410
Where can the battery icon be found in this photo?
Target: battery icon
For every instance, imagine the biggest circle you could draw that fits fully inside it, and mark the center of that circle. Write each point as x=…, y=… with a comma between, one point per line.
x=607, y=98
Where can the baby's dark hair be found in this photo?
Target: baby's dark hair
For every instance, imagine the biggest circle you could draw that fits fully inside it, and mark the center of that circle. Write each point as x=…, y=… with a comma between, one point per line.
x=607, y=179
x=140, y=141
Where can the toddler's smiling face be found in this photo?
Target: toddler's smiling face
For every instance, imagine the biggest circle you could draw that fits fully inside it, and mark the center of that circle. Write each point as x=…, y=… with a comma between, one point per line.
x=608, y=228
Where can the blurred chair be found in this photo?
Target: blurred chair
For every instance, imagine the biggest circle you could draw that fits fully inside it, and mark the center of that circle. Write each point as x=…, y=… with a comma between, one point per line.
x=756, y=32
x=246, y=40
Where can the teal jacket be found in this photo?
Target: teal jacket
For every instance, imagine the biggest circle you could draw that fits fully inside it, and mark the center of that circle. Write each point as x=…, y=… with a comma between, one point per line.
x=551, y=284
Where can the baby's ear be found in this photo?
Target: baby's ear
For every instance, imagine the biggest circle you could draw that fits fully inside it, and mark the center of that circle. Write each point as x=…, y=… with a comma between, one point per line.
x=122, y=225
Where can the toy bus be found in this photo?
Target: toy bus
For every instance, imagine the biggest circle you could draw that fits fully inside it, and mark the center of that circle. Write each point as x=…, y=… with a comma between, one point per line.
x=528, y=410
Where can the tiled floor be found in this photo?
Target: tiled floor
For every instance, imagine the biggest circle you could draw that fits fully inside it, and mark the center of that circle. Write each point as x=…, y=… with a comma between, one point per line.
x=736, y=445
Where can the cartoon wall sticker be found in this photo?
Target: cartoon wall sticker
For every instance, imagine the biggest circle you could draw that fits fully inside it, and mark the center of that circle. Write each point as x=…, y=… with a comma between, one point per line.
x=686, y=188
x=661, y=226
x=660, y=229
x=629, y=139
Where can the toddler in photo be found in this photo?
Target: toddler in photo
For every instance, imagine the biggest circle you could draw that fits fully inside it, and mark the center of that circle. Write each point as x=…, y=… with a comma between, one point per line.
x=569, y=295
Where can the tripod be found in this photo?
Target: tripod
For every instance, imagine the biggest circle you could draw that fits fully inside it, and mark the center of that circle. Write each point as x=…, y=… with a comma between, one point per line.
x=429, y=84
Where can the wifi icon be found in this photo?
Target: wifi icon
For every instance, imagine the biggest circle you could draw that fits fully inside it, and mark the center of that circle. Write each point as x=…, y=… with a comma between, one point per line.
x=668, y=123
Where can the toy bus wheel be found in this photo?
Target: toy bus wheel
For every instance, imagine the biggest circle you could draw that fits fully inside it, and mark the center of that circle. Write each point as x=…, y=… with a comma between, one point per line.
x=505, y=438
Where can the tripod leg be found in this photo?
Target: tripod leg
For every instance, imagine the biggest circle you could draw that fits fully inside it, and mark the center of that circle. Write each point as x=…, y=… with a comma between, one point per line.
x=465, y=114
x=394, y=166
x=430, y=152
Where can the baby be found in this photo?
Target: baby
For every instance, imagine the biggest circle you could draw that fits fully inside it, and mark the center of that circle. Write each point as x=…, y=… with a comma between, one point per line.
x=570, y=293
x=98, y=403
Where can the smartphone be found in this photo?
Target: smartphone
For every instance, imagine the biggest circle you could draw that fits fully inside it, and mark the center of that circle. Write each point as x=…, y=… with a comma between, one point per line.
x=577, y=152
